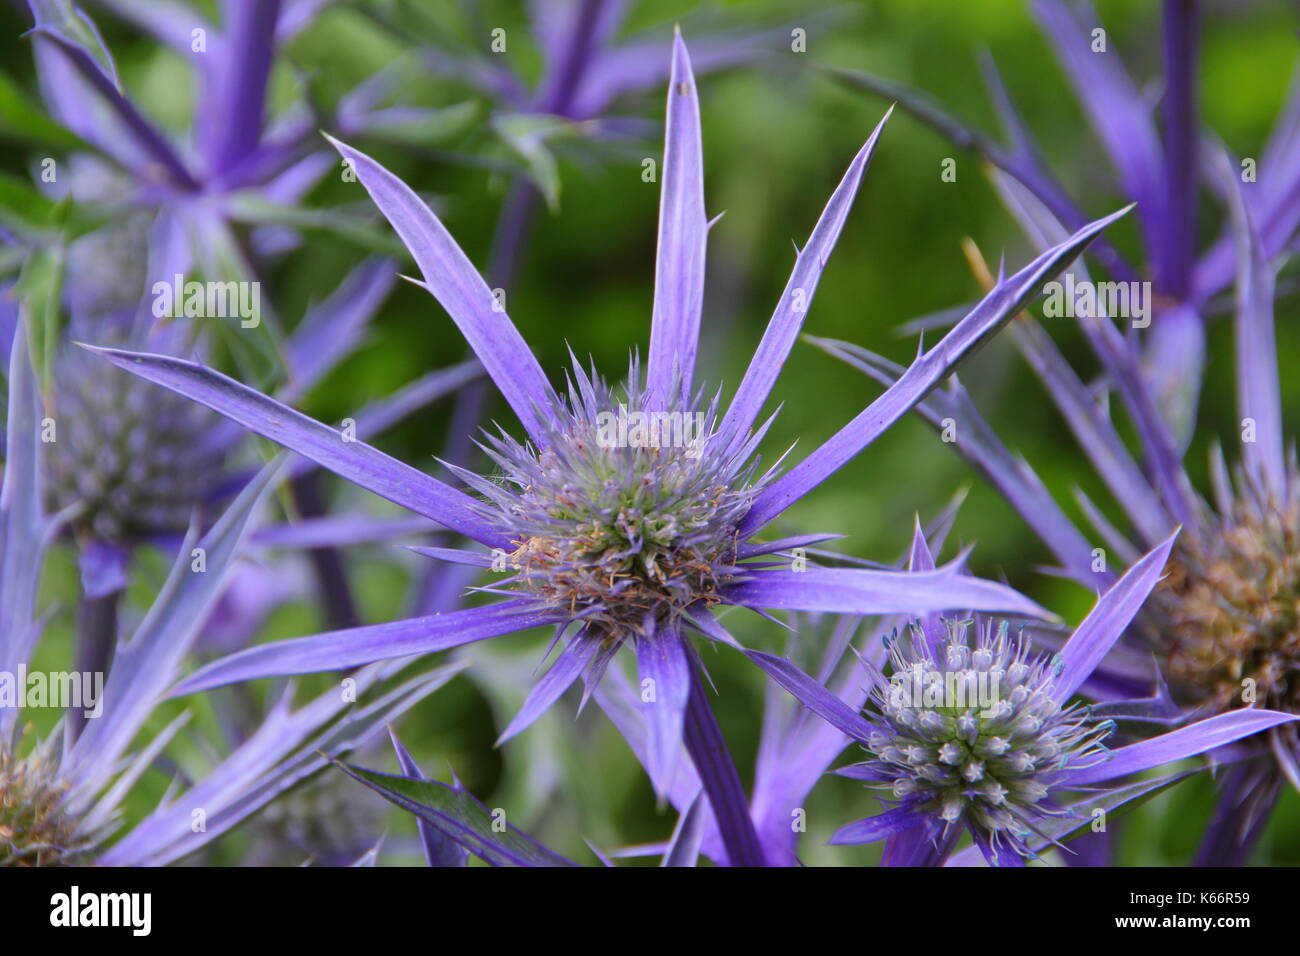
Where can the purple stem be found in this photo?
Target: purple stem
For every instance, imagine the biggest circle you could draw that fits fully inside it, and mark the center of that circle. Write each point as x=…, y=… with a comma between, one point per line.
x=712, y=759
x=331, y=573
x=96, y=632
x=250, y=43
x=576, y=58
x=1177, y=252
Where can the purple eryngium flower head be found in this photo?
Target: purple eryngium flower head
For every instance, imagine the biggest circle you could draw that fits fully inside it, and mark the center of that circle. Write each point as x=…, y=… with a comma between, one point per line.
x=663, y=492
x=972, y=732
x=626, y=517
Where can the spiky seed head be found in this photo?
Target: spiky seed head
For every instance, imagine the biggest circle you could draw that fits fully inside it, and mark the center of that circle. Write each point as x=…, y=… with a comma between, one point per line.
x=1227, y=615
x=36, y=828
x=972, y=733
x=629, y=512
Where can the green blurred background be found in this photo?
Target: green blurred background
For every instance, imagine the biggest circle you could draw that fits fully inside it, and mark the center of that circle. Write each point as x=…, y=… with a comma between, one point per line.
x=777, y=136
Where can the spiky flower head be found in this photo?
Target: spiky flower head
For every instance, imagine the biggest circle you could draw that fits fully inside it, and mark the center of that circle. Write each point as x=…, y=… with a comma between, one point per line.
x=1226, y=619
x=968, y=730
x=36, y=828
x=138, y=459
x=624, y=515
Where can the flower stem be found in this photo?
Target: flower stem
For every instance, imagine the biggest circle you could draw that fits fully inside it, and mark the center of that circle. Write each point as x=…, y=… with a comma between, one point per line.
x=96, y=639
x=331, y=572
x=712, y=759
x=1181, y=36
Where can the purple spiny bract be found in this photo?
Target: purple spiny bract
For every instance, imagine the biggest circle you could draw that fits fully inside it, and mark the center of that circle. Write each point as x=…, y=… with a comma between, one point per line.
x=625, y=517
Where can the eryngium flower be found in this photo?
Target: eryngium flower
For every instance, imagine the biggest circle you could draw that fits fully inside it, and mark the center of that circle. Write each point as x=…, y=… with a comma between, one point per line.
x=941, y=746
x=137, y=462
x=624, y=530
x=626, y=547
x=973, y=731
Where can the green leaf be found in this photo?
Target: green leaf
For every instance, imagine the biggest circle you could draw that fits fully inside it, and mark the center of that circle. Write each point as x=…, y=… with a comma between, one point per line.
x=254, y=210
x=40, y=290
x=30, y=124
x=23, y=208
x=527, y=135
x=422, y=127
x=28, y=212
x=457, y=814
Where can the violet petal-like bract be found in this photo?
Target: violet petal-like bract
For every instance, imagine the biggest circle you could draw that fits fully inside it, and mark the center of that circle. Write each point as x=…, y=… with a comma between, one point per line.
x=663, y=669
x=568, y=666
x=1190, y=741
x=452, y=279
x=1114, y=610
x=786, y=321
x=145, y=665
x=1259, y=397
x=367, y=466
x=872, y=829
x=683, y=234
x=352, y=647
x=145, y=136
x=236, y=107
x=23, y=526
x=1117, y=111
x=858, y=591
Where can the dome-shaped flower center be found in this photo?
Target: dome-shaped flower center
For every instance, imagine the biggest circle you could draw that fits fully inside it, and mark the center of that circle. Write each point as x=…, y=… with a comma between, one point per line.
x=136, y=457
x=1227, y=616
x=975, y=736
x=35, y=828
x=626, y=514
